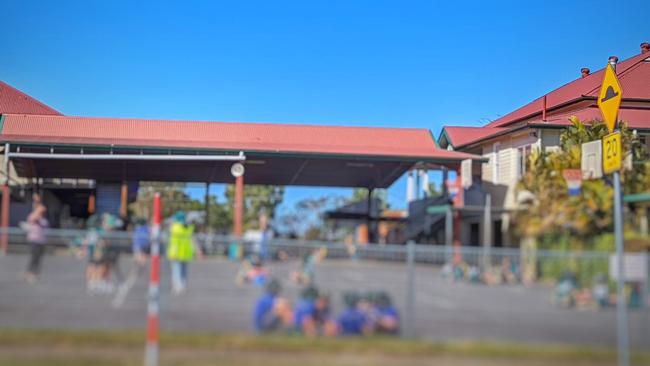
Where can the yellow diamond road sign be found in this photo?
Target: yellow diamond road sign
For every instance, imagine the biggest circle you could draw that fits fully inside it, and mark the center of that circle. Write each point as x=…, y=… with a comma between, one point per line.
x=612, y=152
x=609, y=99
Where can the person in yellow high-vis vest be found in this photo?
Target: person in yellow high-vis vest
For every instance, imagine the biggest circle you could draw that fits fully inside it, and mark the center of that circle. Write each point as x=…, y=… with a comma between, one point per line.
x=180, y=251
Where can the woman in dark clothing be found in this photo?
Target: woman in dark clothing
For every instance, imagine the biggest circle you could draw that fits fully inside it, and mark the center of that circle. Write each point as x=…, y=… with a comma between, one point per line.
x=36, y=225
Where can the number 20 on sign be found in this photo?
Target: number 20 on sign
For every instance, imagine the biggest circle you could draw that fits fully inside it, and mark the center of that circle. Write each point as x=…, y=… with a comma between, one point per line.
x=612, y=153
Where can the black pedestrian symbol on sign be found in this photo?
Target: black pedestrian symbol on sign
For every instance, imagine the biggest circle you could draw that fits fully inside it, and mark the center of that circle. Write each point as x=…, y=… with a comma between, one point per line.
x=609, y=94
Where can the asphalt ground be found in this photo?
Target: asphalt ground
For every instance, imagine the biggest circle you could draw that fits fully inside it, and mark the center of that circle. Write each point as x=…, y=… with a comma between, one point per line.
x=215, y=303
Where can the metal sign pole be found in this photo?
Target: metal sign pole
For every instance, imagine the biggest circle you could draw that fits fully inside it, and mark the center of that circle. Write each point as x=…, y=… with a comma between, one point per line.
x=621, y=303
x=611, y=94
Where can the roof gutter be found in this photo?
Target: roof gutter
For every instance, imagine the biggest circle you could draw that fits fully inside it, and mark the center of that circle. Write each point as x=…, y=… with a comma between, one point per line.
x=168, y=151
x=547, y=126
x=110, y=156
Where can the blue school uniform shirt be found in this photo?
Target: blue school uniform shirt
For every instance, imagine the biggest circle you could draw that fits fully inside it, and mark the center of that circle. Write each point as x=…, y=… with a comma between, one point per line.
x=388, y=311
x=304, y=309
x=140, y=238
x=263, y=308
x=351, y=322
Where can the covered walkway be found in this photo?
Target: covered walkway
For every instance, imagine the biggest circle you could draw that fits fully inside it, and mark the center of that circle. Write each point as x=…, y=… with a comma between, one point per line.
x=183, y=151
x=121, y=150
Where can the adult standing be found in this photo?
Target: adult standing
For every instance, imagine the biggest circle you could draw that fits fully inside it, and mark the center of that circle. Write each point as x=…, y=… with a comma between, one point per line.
x=140, y=246
x=261, y=246
x=180, y=251
x=36, y=224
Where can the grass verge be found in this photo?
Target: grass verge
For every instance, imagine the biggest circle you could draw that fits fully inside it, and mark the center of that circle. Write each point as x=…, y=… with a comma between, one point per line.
x=132, y=341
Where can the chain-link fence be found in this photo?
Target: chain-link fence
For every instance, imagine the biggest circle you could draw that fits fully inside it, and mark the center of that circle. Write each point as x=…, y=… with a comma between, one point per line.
x=439, y=292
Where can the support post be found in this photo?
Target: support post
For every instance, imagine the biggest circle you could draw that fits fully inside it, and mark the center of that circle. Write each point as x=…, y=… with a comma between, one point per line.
x=445, y=177
x=487, y=232
x=409, y=187
x=124, y=200
x=207, y=207
x=91, y=203
x=425, y=183
x=621, y=303
x=4, y=237
x=153, y=306
x=449, y=233
x=410, y=289
x=368, y=217
x=458, y=203
x=6, y=200
x=458, y=257
x=239, y=206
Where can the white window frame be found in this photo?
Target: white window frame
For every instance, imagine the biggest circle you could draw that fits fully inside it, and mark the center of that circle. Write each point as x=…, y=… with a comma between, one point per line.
x=522, y=157
x=645, y=140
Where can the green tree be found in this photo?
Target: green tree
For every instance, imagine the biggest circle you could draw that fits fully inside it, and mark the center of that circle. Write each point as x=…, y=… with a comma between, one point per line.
x=220, y=215
x=552, y=213
x=257, y=199
x=173, y=198
x=305, y=220
x=434, y=190
x=361, y=194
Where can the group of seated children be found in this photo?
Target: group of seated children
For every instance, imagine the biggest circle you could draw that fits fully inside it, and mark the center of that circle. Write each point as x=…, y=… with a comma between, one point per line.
x=505, y=273
x=311, y=315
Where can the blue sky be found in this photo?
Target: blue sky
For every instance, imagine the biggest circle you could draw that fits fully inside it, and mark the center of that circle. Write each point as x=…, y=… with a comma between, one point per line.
x=366, y=63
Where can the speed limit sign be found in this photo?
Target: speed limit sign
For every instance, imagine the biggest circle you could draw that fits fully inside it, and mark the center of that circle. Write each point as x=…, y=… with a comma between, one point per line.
x=612, y=152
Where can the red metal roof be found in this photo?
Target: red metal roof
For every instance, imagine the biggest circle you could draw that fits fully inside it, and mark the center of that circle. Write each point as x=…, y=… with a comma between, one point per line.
x=634, y=118
x=459, y=136
x=260, y=137
x=13, y=100
x=463, y=136
x=633, y=73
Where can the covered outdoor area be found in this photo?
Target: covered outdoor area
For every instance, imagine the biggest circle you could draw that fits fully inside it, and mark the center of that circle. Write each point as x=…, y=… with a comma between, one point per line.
x=127, y=150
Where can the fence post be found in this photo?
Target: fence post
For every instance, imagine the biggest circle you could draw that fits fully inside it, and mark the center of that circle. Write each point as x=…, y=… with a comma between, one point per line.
x=6, y=202
x=449, y=234
x=410, y=289
x=487, y=233
x=153, y=306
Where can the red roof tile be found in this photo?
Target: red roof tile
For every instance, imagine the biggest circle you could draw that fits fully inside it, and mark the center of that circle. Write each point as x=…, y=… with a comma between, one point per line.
x=277, y=138
x=13, y=100
x=633, y=73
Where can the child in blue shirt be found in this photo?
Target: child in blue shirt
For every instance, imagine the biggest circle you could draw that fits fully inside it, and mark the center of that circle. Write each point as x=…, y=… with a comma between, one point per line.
x=387, y=317
x=271, y=312
x=352, y=321
x=305, y=311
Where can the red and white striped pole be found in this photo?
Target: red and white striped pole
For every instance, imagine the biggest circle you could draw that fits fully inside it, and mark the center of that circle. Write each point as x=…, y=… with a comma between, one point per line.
x=153, y=306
